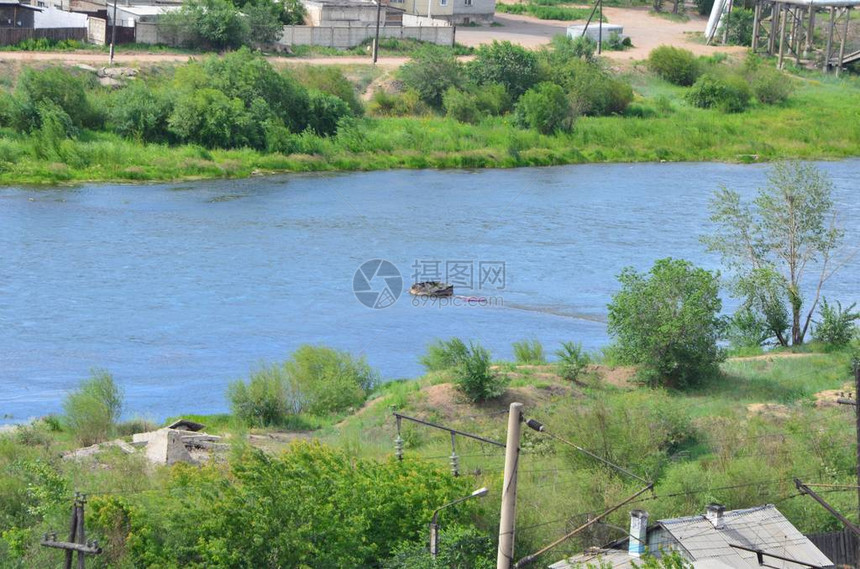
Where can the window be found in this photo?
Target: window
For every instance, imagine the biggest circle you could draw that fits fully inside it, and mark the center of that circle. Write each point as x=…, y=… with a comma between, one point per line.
x=468, y=3
x=443, y=2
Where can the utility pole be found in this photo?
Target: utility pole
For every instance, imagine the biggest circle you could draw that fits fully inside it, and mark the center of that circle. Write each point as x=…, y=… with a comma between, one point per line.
x=507, y=522
x=77, y=538
x=376, y=37
x=113, y=32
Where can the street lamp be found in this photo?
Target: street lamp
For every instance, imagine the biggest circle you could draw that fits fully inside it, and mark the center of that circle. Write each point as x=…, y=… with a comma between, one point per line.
x=434, y=527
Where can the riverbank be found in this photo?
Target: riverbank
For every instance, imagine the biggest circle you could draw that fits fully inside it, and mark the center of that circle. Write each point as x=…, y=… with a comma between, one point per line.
x=815, y=124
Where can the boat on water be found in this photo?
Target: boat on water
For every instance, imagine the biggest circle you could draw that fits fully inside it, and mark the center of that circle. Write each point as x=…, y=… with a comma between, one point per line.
x=432, y=288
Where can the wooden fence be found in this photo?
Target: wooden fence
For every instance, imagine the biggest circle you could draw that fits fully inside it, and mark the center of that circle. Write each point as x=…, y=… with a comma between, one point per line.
x=839, y=546
x=12, y=36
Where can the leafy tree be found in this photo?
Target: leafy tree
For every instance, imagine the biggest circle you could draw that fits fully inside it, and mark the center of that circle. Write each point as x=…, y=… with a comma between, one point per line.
x=325, y=112
x=92, y=411
x=667, y=322
x=546, y=109
x=506, y=64
x=264, y=25
x=431, y=72
x=769, y=244
x=210, y=23
x=140, y=113
x=210, y=118
x=330, y=79
x=739, y=23
x=58, y=87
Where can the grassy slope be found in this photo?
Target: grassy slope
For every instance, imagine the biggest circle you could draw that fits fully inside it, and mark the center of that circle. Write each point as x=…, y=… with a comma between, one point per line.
x=820, y=122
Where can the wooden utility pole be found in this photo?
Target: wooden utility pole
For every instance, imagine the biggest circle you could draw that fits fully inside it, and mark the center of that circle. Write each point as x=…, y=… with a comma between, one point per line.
x=507, y=522
x=77, y=538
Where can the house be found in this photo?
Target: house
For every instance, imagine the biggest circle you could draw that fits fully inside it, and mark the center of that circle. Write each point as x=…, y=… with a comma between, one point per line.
x=737, y=539
x=14, y=14
x=457, y=12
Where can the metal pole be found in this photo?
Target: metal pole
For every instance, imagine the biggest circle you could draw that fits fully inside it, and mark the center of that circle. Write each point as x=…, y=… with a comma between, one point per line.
x=434, y=538
x=842, y=50
x=113, y=31
x=376, y=37
x=507, y=522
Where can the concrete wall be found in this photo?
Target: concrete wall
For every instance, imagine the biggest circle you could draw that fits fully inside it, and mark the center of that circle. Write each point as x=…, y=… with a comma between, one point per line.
x=421, y=21
x=158, y=34
x=344, y=37
x=51, y=17
x=96, y=30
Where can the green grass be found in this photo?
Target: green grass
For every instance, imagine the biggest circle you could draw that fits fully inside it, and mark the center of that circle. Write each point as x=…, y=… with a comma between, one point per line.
x=546, y=10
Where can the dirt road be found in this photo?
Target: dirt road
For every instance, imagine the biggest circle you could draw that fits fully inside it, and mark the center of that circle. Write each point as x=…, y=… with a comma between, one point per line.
x=645, y=30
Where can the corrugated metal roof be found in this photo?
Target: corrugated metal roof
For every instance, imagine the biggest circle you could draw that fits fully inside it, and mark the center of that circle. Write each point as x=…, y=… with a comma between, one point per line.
x=709, y=547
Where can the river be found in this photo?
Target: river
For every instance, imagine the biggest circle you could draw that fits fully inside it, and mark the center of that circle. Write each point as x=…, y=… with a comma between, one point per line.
x=178, y=289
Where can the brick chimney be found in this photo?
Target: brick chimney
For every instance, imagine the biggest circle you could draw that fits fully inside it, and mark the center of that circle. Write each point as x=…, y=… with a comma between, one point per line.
x=638, y=533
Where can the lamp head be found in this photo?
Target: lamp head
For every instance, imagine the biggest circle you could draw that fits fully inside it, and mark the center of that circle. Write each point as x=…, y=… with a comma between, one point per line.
x=480, y=492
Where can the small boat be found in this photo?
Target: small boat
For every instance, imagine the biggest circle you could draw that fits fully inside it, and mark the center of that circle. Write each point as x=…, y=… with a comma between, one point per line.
x=432, y=288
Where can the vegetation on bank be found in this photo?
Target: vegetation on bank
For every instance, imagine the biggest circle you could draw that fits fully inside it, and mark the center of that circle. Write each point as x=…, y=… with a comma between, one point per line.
x=204, y=119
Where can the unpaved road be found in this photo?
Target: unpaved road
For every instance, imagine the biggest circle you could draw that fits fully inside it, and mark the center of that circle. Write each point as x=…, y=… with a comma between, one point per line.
x=645, y=30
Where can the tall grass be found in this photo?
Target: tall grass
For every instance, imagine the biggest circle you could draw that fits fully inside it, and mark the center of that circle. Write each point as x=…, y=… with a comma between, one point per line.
x=91, y=412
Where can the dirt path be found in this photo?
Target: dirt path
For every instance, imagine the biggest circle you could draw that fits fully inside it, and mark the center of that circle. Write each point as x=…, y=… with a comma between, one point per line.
x=645, y=30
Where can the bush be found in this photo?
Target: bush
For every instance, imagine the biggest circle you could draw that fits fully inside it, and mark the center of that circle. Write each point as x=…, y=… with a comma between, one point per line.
x=139, y=113
x=730, y=94
x=475, y=378
x=326, y=111
x=704, y=7
x=331, y=80
x=267, y=400
x=431, y=72
x=546, y=109
x=529, y=352
x=58, y=87
x=667, y=322
x=92, y=411
x=769, y=85
x=461, y=106
x=837, y=325
x=505, y=64
x=444, y=354
x=262, y=21
x=739, y=24
x=328, y=380
x=316, y=380
x=209, y=24
x=675, y=65
x=209, y=118
x=460, y=547
x=572, y=360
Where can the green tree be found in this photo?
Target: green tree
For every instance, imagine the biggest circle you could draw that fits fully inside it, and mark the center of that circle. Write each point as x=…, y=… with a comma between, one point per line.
x=506, y=64
x=475, y=377
x=214, y=24
x=770, y=244
x=460, y=547
x=92, y=411
x=667, y=322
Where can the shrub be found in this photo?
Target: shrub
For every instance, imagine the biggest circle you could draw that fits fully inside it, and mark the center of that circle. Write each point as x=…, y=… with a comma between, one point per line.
x=730, y=94
x=329, y=380
x=747, y=329
x=505, y=64
x=459, y=547
x=769, y=85
x=325, y=112
x=209, y=118
x=837, y=325
x=262, y=21
x=675, y=65
x=546, y=109
x=266, y=400
x=667, y=322
x=431, y=72
x=139, y=113
x=475, y=378
x=210, y=23
x=92, y=411
x=461, y=106
x=444, y=354
x=58, y=87
x=704, y=7
x=572, y=360
x=739, y=24
x=529, y=352
x=331, y=80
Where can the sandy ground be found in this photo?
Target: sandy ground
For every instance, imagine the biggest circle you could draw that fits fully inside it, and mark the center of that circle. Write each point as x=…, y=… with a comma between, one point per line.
x=646, y=32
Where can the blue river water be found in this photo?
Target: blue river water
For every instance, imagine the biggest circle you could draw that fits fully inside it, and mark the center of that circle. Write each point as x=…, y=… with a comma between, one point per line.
x=178, y=289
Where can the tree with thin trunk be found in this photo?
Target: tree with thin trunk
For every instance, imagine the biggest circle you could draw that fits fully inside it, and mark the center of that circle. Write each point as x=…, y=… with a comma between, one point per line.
x=783, y=240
